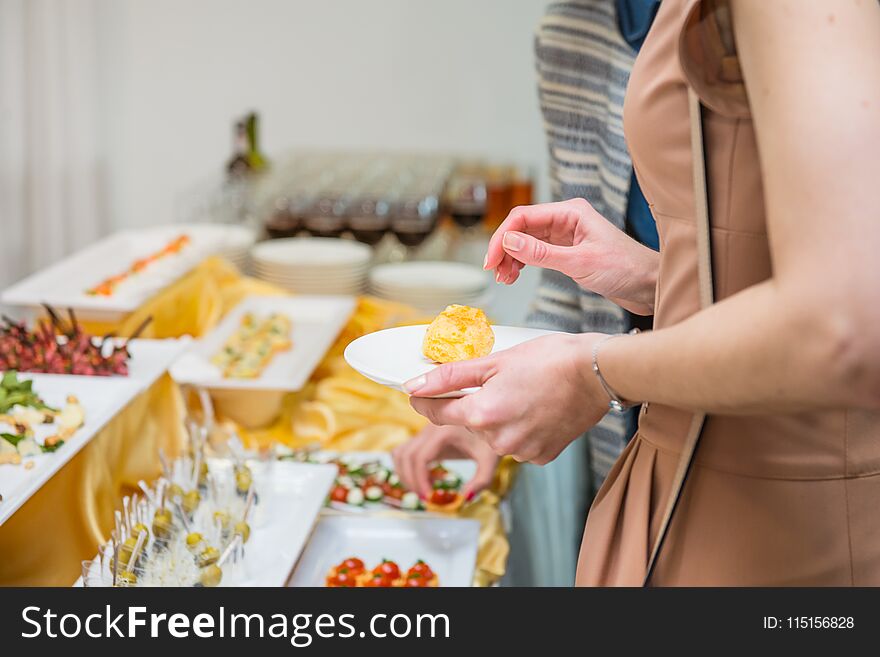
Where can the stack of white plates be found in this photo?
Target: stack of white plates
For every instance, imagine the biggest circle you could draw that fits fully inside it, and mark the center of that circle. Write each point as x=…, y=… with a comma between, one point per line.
x=430, y=286
x=313, y=265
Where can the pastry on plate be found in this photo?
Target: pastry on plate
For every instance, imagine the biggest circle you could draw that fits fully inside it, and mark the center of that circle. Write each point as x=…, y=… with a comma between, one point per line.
x=458, y=333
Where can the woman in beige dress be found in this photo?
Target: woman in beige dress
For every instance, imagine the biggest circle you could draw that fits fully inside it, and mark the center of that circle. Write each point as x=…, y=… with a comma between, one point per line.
x=785, y=485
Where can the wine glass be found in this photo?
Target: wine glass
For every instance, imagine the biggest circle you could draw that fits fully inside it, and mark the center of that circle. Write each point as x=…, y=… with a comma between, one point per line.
x=369, y=219
x=282, y=219
x=414, y=218
x=326, y=217
x=467, y=200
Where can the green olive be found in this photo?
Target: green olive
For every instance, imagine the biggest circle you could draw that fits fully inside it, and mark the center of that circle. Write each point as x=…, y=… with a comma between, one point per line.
x=174, y=491
x=191, y=501
x=223, y=517
x=126, y=578
x=138, y=528
x=125, y=550
x=244, y=530
x=208, y=556
x=194, y=542
x=210, y=575
x=163, y=523
x=243, y=479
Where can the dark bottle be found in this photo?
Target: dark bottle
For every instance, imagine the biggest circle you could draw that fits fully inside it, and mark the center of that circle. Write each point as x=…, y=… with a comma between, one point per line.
x=239, y=165
x=255, y=157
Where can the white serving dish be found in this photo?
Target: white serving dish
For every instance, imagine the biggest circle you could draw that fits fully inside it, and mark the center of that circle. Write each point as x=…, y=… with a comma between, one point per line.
x=394, y=356
x=150, y=359
x=101, y=397
x=464, y=468
x=316, y=322
x=291, y=496
x=64, y=284
x=448, y=545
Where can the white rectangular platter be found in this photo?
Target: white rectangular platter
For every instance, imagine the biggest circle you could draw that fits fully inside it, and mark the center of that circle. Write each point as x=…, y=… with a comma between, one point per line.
x=449, y=546
x=464, y=468
x=290, y=497
x=64, y=284
x=150, y=359
x=101, y=398
x=316, y=322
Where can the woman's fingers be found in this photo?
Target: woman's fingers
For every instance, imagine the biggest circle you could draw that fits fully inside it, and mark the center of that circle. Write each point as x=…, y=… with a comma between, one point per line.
x=424, y=455
x=531, y=251
x=508, y=270
x=402, y=457
x=451, y=377
x=442, y=412
x=537, y=220
x=483, y=477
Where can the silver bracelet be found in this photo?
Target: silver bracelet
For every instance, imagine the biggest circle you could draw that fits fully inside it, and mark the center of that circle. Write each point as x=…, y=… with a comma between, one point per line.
x=617, y=403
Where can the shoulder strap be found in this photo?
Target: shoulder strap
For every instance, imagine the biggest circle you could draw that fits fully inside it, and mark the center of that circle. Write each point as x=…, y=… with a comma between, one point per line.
x=704, y=268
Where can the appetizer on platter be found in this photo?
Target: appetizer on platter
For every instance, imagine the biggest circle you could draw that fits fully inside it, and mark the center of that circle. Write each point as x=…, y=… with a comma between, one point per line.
x=352, y=573
x=59, y=348
x=361, y=483
x=108, y=286
x=28, y=427
x=250, y=349
x=190, y=528
x=458, y=333
x=446, y=496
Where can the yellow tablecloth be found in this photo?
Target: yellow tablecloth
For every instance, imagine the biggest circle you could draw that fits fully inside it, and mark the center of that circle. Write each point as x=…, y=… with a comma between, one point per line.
x=46, y=540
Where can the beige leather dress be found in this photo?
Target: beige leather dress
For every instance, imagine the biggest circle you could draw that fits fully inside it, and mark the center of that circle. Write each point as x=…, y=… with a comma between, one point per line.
x=772, y=500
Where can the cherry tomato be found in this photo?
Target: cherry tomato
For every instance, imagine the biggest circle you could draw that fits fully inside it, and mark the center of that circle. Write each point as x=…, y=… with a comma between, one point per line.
x=422, y=569
x=378, y=580
x=438, y=472
x=441, y=496
x=416, y=581
x=395, y=492
x=343, y=579
x=343, y=469
x=387, y=568
x=353, y=565
x=339, y=494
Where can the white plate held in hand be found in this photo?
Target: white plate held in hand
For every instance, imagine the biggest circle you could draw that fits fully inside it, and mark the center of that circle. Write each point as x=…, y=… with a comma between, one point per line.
x=394, y=356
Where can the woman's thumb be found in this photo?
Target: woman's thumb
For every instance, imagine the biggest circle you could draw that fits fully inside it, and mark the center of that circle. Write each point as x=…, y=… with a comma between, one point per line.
x=531, y=251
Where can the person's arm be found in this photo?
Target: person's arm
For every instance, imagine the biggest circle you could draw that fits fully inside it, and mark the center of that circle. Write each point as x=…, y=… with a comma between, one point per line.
x=810, y=336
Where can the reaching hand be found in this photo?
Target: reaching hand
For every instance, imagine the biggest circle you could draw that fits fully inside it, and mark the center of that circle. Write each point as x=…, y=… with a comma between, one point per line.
x=413, y=458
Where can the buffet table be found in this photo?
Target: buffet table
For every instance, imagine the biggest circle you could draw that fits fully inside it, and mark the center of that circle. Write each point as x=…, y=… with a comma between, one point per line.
x=46, y=540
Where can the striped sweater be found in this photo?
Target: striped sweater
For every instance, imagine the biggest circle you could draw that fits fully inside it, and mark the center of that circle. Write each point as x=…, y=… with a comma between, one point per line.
x=583, y=66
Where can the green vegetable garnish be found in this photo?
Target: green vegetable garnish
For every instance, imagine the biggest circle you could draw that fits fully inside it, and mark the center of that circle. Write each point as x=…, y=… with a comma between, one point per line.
x=15, y=392
x=12, y=438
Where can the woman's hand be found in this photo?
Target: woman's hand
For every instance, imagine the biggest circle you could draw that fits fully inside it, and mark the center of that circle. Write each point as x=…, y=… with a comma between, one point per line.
x=534, y=400
x=412, y=459
x=572, y=238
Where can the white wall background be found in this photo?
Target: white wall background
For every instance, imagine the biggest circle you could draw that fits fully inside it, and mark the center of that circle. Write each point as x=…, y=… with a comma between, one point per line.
x=438, y=75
